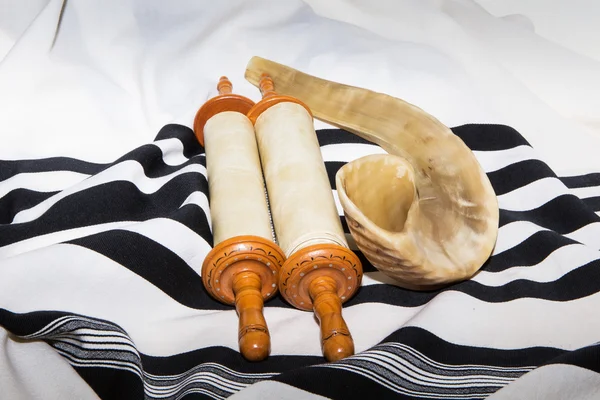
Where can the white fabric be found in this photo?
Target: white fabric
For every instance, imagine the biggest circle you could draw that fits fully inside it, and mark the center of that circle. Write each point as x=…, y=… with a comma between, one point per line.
x=34, y=370
x=553, y=382
x=93, y=80
x=271, y=390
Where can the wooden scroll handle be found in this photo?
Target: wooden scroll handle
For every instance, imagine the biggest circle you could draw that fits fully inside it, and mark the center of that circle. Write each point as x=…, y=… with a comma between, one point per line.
x=244, y=271
x=336, y=341
x=321, y=277
x=253, y=335
x=224, y=85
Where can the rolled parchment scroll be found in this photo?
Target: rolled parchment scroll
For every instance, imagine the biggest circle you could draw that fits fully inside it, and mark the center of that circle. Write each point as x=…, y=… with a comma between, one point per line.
x=320, y=272
x=238, y=205
x=243, y=267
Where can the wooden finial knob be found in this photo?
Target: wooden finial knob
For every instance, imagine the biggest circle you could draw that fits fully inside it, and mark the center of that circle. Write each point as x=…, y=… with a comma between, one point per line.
x=336, y=340
x=244, y=271
x=266, y=86
x=225, y=101
x=321, y=277
x=224, y=86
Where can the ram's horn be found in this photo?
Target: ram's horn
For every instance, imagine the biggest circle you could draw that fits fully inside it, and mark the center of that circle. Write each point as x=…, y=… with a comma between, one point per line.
x=425, y=214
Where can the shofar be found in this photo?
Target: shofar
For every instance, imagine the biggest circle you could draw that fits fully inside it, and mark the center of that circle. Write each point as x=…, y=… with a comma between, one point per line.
x=425, y=214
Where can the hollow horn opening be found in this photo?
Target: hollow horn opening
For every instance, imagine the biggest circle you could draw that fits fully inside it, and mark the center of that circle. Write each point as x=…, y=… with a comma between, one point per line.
x=381, y=187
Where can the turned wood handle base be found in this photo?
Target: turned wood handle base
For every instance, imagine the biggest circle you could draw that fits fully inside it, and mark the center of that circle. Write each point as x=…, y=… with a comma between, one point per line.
x=244, y=271
x=336, y=341
x=253, y=334
x=320, y=278
x=309, y=263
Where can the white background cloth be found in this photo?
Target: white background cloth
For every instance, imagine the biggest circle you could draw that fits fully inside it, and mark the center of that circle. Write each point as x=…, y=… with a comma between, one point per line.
x=93, y=80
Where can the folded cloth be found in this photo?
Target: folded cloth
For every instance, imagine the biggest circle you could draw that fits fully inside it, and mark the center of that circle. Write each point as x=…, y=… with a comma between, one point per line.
x=101, y=295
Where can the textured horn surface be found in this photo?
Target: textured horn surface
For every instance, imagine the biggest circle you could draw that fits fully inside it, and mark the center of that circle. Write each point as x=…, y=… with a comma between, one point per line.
x=425, y=214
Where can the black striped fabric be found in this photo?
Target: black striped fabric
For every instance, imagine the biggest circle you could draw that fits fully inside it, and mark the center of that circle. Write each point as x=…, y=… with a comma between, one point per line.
x=102, y=263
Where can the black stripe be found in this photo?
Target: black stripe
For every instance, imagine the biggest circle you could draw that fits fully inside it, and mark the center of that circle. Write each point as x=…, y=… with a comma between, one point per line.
x=109, y=202
x=74, y=346
x=194, y=218
x=366, y=264
x=563, y=214
x=576, y=284
x=112, y=383
x=191, y=146
x=29, y=323
x=382, y=360
x=480, y=137
x=593, y=203
x=335, y=384
x=76, y=342
x=12, y=168
x=391, y=295
x=163, y=268
x=112, y=361
x=195, y=395
x=23, y=324
x=517, y=175
x=20, y=199
x=99, y=335
x=580, y=181
x=417, y=338
x=344, y=224
x=445, y=352
x=504, y=180
x=159, y=266
x=332, y=168
x=489, y=137
x=155, y=263
x=229, y=358
x=530, y=251
x=587, y=357
x=338, y=136
x=150, y=158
